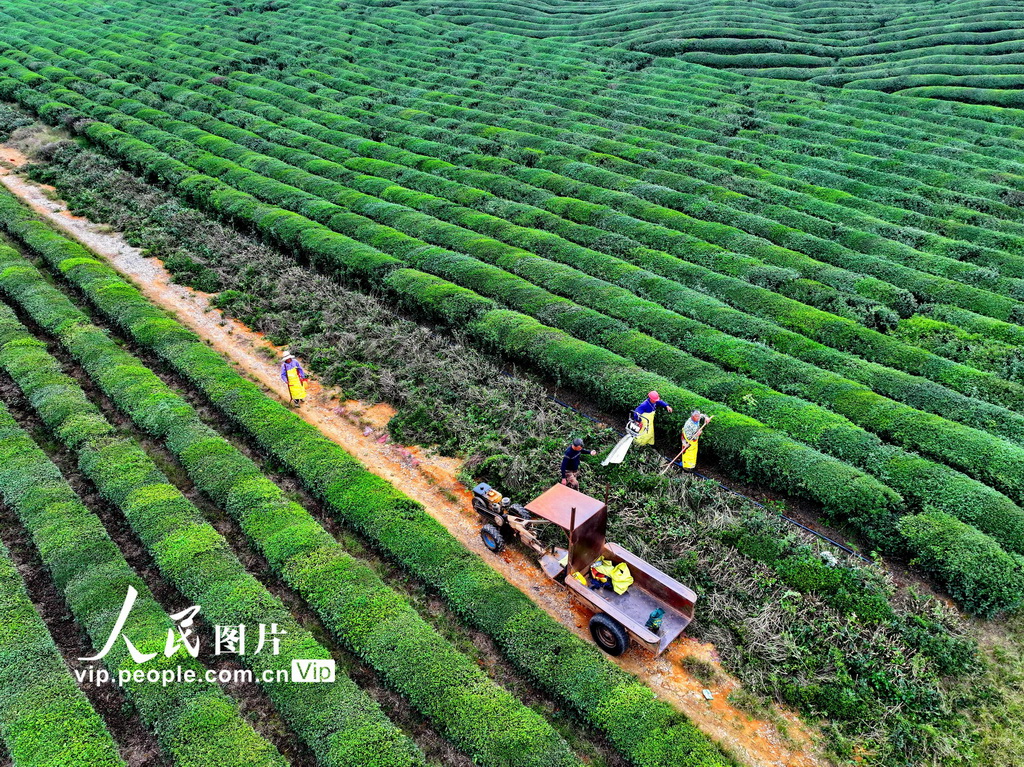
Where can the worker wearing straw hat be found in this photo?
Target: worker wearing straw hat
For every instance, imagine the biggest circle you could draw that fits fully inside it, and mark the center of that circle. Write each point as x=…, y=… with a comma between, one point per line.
x=295, y=377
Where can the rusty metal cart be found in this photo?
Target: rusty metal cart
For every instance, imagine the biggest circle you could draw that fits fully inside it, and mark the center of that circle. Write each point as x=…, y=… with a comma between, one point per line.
x=584, y=519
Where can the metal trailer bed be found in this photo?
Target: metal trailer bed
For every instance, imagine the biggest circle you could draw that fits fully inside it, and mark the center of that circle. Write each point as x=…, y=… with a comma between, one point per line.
x=584, y=519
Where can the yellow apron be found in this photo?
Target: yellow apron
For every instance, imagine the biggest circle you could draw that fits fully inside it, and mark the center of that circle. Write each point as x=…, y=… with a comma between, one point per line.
x=689, y=459
x=619, y=574
x=646, y=436
x=295, y=388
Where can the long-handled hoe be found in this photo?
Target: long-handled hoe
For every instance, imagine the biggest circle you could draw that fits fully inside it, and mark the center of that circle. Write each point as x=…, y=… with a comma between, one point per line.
x=672, y=463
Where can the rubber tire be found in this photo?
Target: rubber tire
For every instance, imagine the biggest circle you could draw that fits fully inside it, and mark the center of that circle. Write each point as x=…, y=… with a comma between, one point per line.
x=609, y=634
x=492, y=538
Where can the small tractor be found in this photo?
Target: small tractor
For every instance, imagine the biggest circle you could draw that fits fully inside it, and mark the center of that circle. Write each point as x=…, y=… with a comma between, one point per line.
x=653, y=609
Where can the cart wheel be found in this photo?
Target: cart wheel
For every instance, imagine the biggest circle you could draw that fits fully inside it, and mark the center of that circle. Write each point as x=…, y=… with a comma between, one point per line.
x=609, y=634
x=492, y=538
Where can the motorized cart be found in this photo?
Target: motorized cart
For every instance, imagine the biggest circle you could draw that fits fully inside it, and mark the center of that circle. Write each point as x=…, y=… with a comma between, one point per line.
x=618, y=616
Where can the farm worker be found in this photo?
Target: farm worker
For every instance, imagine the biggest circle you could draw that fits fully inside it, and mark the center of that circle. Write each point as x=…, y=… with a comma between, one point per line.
x=571, y=464
x=293, y=375
x=644, y=415
x=692, y=430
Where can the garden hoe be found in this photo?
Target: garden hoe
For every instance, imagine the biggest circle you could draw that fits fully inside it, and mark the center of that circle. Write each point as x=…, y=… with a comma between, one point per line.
x=672, y=463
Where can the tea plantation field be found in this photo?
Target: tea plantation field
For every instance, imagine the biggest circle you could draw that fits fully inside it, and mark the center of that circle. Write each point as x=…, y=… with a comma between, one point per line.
x=964, y=51
x=578, y=190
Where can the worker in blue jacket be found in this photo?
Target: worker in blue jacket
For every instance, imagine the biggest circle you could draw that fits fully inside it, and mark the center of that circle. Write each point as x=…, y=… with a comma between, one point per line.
x=571, y=464
x=644, y=415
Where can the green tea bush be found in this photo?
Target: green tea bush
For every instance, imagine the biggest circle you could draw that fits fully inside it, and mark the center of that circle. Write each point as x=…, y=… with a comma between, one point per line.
x=564, y=665
x=91, y=573
x=350, y=598
x=964, y=561
x=46, y=718
x=199, y=562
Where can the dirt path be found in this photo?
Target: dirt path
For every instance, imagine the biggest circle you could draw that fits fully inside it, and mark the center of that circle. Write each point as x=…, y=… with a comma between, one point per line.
x=432, y=481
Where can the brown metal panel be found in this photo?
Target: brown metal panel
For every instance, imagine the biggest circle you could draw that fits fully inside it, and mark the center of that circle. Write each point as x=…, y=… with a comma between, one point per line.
x=661, y=586
x=556, y=503
x=586, y=542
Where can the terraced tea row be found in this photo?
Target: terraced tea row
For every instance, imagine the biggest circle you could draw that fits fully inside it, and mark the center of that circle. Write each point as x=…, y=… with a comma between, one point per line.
x=194, y=557
x=44, y=718
x=779, y=279
x=966, y=51
x=667, y=150
x=861, y=284
x=196, y=724
x=392, y=228
x=351, y=491
x=441, y=683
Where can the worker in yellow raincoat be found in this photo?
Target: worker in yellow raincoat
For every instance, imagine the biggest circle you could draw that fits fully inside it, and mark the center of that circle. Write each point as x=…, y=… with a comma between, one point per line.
x=692, y=430
x=644, y=415
x=295, y=377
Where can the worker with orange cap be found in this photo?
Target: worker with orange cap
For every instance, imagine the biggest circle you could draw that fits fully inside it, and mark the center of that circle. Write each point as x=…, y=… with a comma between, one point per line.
x=644, y=415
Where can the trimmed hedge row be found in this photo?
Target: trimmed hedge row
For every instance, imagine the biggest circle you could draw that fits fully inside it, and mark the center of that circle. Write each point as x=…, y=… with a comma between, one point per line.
x=857, y=239
x=45, y=720
x=648, y=732
x=697, y=203
x=735, y=291
x=502, y=326
x=230, y=201
x=196, y=724
x=965, y=561
x=891, y=382
x=672, y=146
x=811, y=291
x=352, y=600
x=918, y=481
x=338, y=721
x=664, y=76
x=804, y=218
x=353, y=260
x=981, y=351
x=891, y=350
x=656, y=80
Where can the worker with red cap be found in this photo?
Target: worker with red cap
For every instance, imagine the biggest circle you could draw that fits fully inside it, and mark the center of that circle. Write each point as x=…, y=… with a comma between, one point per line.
x=644, y=415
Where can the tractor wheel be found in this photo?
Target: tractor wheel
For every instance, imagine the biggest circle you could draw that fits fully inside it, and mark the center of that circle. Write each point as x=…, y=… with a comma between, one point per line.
x=609, y=634
x=492, y=538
